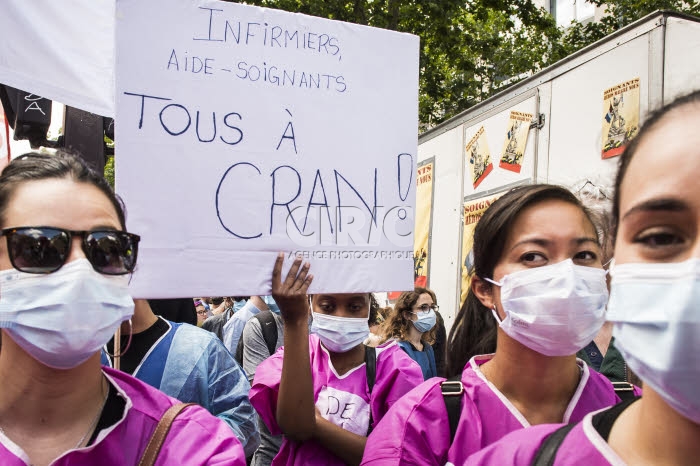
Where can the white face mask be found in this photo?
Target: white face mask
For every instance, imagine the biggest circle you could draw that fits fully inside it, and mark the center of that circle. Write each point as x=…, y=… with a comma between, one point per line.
x=63, y=318
x=656, y=313
x=555, y=310
x=339, y=334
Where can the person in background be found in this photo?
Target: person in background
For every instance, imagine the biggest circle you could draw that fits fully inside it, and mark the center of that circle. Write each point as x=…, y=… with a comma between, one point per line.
x=412, y=325
x=538, y=275
x=376, y=326
x=326, y=390
x=201, y=311
x=215, y=323
x=439, y=347
x=175, y=310
x=233, y=329
x=65, y=261
x=191, y=365
x=263, y=334
x=654, y=306
x=601, y=353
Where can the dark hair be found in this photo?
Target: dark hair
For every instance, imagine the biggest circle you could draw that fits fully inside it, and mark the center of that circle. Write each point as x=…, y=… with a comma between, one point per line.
x=34, y=166
x=649, y=125
x=474, y=329
x=398, y=325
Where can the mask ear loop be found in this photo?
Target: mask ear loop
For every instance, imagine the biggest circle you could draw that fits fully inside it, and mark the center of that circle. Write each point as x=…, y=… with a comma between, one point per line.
x=118, y=353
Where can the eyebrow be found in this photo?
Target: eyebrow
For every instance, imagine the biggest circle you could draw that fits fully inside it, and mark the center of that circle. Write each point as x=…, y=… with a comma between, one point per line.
x=656, y=205
x=545, y=242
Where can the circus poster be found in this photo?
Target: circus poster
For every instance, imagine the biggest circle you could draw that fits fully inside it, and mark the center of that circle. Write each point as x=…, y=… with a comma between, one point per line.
x=620, y=117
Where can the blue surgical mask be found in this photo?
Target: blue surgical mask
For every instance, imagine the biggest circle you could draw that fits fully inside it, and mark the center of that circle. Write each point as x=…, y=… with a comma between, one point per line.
x=425, y=321
x=271, y=304
x=339, y=334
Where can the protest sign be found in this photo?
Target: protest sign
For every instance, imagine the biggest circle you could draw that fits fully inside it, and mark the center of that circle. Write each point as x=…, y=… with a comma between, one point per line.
x=242, y=132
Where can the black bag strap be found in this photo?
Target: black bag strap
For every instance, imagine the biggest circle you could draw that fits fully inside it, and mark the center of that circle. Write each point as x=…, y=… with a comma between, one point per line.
x=548, y=450
x=452, y=390
x=604, y=420
x=624, y=390
x=371, y=369
x=269, y=329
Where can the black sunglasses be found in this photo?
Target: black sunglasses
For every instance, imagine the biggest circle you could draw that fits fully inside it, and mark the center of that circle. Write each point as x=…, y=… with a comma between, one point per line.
x=46, y=249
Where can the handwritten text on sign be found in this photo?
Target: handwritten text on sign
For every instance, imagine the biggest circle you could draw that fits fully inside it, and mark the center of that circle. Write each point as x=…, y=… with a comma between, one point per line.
x=244, y=131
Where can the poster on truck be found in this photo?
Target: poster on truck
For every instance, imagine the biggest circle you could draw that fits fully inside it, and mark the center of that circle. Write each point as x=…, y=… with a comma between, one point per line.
x=424, y=206
x=473, y=210
x=479, y=157
x=516, y=140
x=620, y=117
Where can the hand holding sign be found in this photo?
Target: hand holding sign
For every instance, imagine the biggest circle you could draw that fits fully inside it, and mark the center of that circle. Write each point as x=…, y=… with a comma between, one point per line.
x=290, y=294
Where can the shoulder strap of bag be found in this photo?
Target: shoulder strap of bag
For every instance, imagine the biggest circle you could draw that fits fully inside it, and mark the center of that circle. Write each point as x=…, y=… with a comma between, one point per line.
x=624, y=390
x=452, y=390
x=548, y=450
x=268, y=326
x=156, y=442
x=371, y=369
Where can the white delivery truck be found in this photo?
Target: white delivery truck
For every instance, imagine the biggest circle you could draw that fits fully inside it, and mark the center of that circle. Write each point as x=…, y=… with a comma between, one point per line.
x=563, y=125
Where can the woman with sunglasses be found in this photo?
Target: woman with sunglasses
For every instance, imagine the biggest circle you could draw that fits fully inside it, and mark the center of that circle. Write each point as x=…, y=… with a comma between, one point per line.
x=654, y=306
x=65, y=260
x=412, y=325
x=540, y=287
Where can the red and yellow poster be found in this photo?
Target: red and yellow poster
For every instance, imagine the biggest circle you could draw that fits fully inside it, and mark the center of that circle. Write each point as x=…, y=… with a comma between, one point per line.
x=421, y=232
x=473, y=210
x=620, y=117
x=479, y=157
x=516, y=140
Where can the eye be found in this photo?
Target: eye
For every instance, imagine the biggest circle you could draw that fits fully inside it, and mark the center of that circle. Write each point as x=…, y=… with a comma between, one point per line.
x=659, y=239
x=326, y=307
x=533, y=258
x=587, y=256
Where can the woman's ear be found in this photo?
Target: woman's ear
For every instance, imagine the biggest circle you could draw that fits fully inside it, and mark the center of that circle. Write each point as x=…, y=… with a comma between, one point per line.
x=483, y=290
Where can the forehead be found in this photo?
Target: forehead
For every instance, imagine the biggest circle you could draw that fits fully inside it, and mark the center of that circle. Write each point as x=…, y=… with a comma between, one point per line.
x=553, y=220
x=424, y=298
x=666, y=163
x=342, y=297
x=60, y=203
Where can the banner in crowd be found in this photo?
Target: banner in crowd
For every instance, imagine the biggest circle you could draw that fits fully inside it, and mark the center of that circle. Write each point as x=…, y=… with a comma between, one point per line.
x=479, y=156
x=244, y=132
x=620, y=117
x=473, y=210
x=516, y=141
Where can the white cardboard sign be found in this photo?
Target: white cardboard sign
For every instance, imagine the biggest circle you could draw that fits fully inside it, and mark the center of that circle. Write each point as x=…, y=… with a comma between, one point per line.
x=243, y=132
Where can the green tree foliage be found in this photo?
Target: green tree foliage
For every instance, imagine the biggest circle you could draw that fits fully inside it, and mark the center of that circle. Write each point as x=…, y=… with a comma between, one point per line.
x=472, y=49
x=618, y=14
x=467, y=48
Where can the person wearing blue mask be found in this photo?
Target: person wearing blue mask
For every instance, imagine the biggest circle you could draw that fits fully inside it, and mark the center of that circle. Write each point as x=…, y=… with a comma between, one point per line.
x=412, y=324
x=233, y=329
x=326, y=390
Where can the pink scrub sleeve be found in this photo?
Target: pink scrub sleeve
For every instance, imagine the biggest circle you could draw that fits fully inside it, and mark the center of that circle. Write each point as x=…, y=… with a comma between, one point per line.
x=265, y=390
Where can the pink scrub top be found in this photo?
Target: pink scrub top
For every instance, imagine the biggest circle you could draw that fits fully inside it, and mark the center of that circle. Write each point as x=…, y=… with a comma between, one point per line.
x=342, y=399
x=416, y=431
x=195, y=438
x=583, y=445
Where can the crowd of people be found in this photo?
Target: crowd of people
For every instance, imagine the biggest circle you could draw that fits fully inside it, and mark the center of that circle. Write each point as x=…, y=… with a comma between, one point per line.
x=577, y=342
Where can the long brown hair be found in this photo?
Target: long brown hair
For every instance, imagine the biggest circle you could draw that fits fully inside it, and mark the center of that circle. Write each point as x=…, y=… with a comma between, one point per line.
x=474, y=330
x=399, y=323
